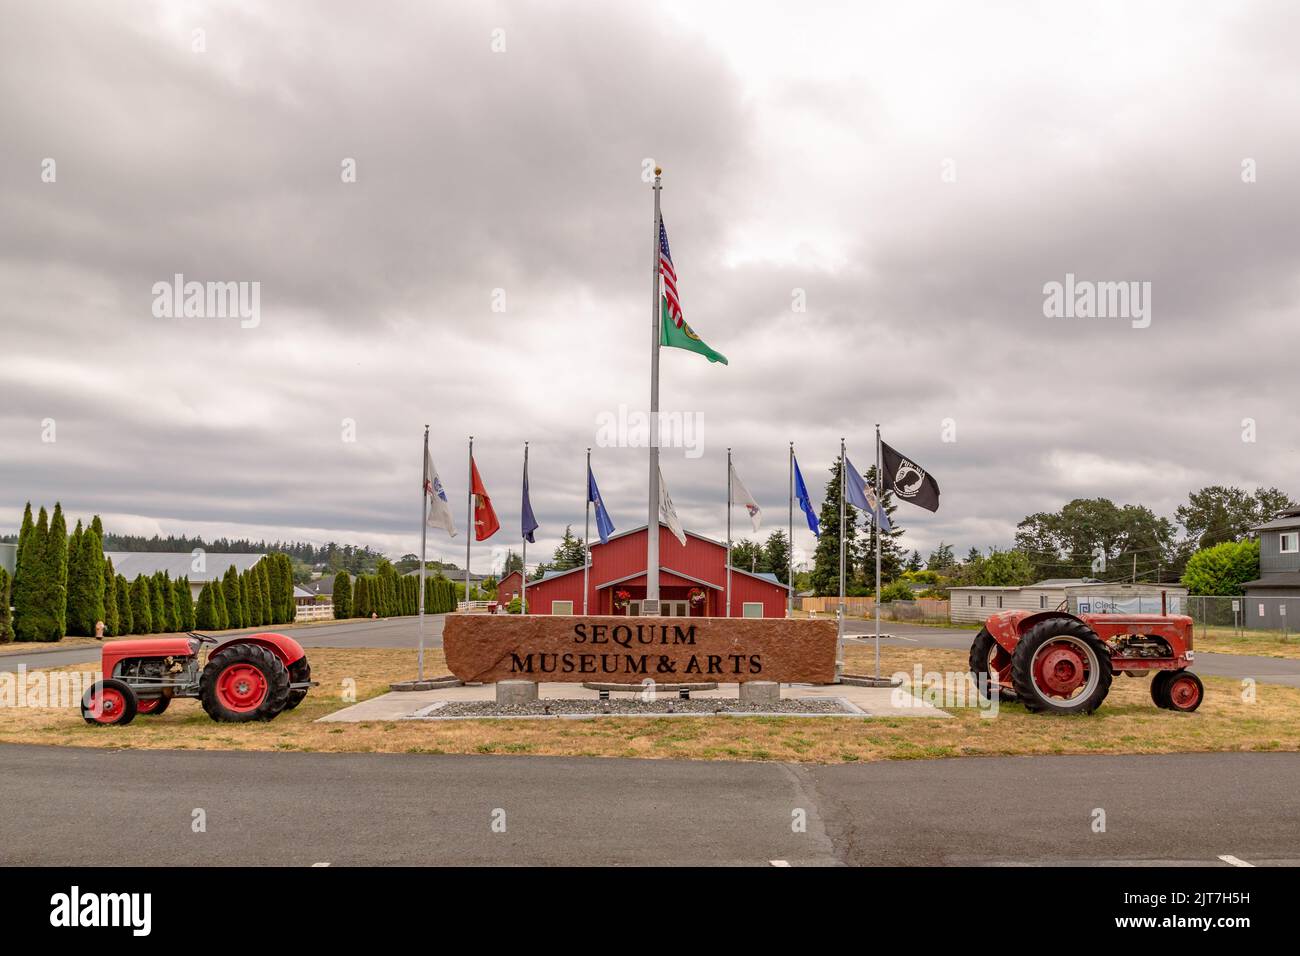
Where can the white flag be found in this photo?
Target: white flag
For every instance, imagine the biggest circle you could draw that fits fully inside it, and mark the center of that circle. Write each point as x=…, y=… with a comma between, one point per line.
x=668, y=513
x=741, y=496
x=438, y=509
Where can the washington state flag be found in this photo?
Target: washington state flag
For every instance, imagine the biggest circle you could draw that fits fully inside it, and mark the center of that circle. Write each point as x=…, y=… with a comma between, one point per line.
x=682, y=336
x=674, y=331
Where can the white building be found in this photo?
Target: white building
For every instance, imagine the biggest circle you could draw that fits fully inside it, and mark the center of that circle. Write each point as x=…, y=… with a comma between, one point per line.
x=180, y=564
x=976, y=604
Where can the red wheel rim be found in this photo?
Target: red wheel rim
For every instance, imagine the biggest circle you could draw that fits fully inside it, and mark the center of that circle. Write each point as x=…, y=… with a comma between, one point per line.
x=241, y=688
x=147, y=705
x=107, y=705
x=1060, y=668
x=1184, y=693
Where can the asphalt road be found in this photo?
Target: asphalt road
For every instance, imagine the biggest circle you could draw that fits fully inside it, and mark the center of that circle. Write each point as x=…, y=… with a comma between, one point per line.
x=402, y=632
x=101, y=807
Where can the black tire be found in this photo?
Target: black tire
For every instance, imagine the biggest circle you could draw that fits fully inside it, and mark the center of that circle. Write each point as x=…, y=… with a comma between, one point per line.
x=298, y=671
x=980, y=650
x=273, y=672
x=1086, y=641
x=119, y=692
x=1160, y=689
x=163, y=704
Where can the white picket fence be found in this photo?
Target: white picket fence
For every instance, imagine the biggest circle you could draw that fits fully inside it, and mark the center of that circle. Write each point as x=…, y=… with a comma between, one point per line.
x=314, y=612
x=473, y=606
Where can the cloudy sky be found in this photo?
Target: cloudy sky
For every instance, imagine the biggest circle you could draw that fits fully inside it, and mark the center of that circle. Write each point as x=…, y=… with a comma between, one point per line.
x=916, y=173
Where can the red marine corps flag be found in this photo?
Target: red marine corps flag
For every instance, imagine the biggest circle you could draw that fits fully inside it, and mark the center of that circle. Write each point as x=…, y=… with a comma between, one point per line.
x=485, y=519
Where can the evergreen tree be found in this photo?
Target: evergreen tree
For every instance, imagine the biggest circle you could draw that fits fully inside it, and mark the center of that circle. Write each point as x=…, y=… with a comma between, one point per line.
x=221, y=613
x=56, y=567
x=159, y=587
x=125, y=620
x=361, y=599
x=776, y=555
x=112, y=621
x=343, y=596
x=184, y=603
x=290, y=602
x=264, y=580
x=826, y=559
x=570, y=552
x=6, y=620
x=166, y=588
x=246, y=601
x=76, y=611
x=205, y=613
x=914, y=562
x=234, y=603
x=141, y=605
x=26, y=589
x=941, y=559
x=256, y=610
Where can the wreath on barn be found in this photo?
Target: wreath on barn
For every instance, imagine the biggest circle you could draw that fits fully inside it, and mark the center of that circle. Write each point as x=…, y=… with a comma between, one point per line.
x=621, y=600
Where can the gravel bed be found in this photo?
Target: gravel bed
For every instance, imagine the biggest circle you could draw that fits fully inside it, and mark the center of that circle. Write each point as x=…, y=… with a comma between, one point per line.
x=635, y=705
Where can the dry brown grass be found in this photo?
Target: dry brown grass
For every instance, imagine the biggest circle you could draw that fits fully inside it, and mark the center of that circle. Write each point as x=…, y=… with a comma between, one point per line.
x=1127, y=723
x=1223, y=640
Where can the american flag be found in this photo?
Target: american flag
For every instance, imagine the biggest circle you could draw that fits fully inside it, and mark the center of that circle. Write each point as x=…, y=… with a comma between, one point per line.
x=670, y=276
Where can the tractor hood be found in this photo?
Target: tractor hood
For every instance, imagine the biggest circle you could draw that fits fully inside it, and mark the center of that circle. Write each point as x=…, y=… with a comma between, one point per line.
x=117, y=651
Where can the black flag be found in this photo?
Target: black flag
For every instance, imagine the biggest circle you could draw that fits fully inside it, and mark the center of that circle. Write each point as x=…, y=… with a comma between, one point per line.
x=908, y=480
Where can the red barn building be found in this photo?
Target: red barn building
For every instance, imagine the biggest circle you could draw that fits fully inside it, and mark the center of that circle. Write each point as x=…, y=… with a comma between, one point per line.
x=692, y=581
x=509, y=588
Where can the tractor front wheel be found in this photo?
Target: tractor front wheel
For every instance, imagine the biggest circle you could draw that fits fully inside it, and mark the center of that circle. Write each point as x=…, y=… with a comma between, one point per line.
x=152, y=706
x=990, y=665
x=1062, y=667
x=109, y=702
x=1180, y=690
x=243, y=682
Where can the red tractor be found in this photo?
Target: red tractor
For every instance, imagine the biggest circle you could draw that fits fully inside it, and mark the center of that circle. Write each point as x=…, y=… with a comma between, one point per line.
x=1062, y=663
x=249, y=677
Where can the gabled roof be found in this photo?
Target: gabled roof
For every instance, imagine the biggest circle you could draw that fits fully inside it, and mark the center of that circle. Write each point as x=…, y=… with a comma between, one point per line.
x=1279, y=579
x=641, y=574
x=179, y=564
x=1287, y=519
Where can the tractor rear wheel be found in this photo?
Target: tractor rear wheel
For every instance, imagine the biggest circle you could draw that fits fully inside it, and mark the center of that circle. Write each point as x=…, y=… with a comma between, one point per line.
x=1183, y=691
x=990, y=665
x=152, y=706
x=109, y=702
x=299, y=671
x=243, y=682
x=1061, y=666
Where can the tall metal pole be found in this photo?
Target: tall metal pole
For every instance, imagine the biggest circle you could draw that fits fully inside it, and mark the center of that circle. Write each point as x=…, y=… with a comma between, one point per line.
x=880, y=510
x=469, y=519
x=424, y=524
x=728, y=532
x=523, y=559
x=586, y=536
x=651, y=603
x=789, y=544
x=840, y=638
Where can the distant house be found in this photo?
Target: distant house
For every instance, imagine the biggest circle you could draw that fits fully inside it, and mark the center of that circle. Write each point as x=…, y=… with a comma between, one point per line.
x=510, y=587
x=1274, y=600
x=180, y=564
x=975, y=604
x=322, y=587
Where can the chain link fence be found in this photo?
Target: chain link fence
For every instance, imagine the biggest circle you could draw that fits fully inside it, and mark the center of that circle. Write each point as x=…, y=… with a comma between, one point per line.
x=1244, y=615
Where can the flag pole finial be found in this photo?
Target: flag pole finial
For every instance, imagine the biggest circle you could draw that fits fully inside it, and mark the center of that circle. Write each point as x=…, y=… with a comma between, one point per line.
x=659, y=170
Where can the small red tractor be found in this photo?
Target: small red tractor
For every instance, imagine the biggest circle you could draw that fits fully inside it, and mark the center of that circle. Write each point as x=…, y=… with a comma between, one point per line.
x=1062, y=663
x=248, y=677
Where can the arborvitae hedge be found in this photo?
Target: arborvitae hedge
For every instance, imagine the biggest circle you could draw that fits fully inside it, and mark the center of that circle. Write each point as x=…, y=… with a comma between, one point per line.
x=159, y=587
x=125, y=619
x=56, y=569
x=234, y=600
x=184, y=601
x=342, y=596
x=6, y=621
x=112, y=621
x=141, y=606
x=245, y=602
x=205, y=612
x=222, y=612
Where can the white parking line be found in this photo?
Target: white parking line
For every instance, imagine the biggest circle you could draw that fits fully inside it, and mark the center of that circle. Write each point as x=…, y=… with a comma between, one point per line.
x=1233, y=861
x=779, y=862
x=320, y=864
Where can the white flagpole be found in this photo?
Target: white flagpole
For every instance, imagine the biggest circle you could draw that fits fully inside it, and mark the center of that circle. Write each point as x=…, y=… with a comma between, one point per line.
x=880, y=509
x=586, y=537
x=424, y=524
x=840, y=636
x=469, y=519
x=651, y=603
x=789, y=544
x=728, y=532
x=523, y=559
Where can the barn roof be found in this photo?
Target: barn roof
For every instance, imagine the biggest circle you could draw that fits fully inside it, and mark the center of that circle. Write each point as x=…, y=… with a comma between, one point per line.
x=179, y=564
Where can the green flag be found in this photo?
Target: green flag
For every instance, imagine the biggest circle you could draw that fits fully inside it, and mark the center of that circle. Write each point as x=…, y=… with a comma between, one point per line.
x=684, y=337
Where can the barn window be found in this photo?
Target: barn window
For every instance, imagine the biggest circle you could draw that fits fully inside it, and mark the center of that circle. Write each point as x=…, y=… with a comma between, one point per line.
x=752, y=609
x=1042, y=600
x=969, y=600
x=981, y=600
x=561, y=607
x=999, y=600
x=1290, y=542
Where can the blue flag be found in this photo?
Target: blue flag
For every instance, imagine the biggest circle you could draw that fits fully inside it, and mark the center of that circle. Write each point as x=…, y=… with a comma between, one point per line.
x=801, y=493
x=860, y=496
x=603, y=525
x=528, y=520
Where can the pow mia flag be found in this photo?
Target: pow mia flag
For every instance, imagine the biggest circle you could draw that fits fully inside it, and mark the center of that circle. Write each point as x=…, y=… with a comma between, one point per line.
x=908, y=480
